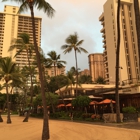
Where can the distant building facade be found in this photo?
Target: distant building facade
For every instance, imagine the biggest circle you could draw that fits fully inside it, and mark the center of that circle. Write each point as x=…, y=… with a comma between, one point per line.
x=84, y=72
x=96, y=65
x=51, y=71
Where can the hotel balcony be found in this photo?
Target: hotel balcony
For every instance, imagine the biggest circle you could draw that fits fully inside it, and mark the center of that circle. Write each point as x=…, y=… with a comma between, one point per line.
x=102, y=30
x=104, y=46
x=103, y=35
x=101, y=18
x=104, y=41
x=105, y=61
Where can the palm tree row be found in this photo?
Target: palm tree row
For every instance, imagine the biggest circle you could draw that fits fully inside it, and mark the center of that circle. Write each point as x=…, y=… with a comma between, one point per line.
x=72, y=43
x=10, y=75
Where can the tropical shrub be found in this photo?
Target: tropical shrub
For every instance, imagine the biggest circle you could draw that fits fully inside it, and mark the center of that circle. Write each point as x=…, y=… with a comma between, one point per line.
x=129, y=109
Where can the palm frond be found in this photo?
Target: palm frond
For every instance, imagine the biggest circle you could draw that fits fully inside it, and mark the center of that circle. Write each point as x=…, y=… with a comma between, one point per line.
x=79, y=43
x=25, y=37
x=61, y=61
x=45, y=6
x=64, y=47
x=68, y=50
x=24, y=7
x=83, y=50
x=78, y=50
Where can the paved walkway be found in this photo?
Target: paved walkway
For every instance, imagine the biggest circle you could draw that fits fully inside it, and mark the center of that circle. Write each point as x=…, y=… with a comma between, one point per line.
x=64, y=130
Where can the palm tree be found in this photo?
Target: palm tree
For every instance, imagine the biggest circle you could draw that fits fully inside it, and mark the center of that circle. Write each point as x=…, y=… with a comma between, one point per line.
x=54, y=61
x=22, y=44
x=85, y=79
x=117, y=65
x=1, y=99
x=74, y=70
x=74, y=44
x=100, y=80
x=46, y=7
x=71, y=80
x=8, y=73
x=29, y=72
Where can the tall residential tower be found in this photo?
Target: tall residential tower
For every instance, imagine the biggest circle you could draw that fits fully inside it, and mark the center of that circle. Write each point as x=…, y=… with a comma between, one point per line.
x=11, y=25
x=96, y=65
x=129, y=57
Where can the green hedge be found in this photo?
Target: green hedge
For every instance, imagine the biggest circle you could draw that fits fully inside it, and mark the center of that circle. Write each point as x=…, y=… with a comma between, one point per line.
x=129, y=109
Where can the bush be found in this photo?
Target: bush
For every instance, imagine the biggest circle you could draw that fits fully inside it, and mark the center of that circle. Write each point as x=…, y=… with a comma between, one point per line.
x=129, y=109
x=77, y=114
x=86, y=115
x=57, y=115
x=95, y=117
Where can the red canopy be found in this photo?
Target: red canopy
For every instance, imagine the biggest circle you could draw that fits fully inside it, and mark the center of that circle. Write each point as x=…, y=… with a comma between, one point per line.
x=69, y=104
x=94, y=102
x=107, y=101
x=60, y=105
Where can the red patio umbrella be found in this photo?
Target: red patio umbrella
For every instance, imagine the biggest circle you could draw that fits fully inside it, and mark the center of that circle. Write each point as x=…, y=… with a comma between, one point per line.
x=93, y=102
x=107, y=101
x=60, y=105
x=69, y=104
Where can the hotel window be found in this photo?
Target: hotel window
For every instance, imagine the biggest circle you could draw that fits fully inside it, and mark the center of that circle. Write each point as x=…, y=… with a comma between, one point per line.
x=128, y=63
x=135, y=58
x=125, y=33
x=131, y=22
x=134, y=46
x=122, y=7
x=129, y=8
x=122, y=13
x=136, y=64
x=133, y=39
x=137, y=71
x=111, y=6
x=130, y=77
x=127, y=58
x=124, y=26
x=125, y=38
x=112, y=13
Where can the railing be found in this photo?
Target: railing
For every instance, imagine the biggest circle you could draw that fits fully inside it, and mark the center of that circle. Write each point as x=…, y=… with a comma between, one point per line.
x=130, y=81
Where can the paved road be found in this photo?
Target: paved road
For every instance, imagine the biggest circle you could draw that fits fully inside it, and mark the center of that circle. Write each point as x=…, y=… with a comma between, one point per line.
x=63, y=130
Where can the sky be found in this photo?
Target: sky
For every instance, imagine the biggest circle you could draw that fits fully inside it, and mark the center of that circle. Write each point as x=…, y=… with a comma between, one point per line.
x=80, y=16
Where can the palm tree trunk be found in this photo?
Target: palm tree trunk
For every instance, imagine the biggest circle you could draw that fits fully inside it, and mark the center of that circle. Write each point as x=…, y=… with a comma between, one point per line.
x=55, y=69
x=8, y=105
x=63, y=99
x=76, y=71
x=53, y=109
x=31, y=91
x=1, y=120
x=137, y=21
x=45, y=131
x=117, y=65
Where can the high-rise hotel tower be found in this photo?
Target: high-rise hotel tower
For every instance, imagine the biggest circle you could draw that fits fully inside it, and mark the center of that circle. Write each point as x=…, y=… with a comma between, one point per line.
x=11, y=25
x=129, y=50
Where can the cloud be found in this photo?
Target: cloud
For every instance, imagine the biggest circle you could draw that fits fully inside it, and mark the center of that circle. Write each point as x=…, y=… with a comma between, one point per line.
x=81, y=16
